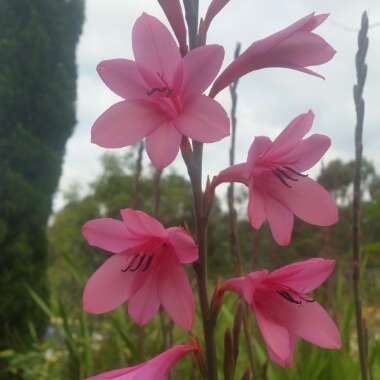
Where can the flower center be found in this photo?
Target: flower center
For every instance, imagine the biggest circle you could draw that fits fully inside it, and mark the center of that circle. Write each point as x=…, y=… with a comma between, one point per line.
x=293, y=296
x=286, y=174
x=143, y=261
x=166, y=94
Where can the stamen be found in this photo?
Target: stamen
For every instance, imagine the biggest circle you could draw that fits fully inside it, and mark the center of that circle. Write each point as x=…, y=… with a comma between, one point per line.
x=142, y=258
x=288, y=297
x=130, y=264
x=295, y=172
x=167, y=90
x=278, y=175
x=307, y=299
x=147, y=264
x=286, y=175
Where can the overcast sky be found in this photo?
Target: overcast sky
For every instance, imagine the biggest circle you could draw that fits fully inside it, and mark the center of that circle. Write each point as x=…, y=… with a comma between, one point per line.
x=268, y=99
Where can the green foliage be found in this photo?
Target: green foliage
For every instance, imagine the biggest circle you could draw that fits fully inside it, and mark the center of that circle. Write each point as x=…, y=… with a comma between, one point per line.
x=37, y=114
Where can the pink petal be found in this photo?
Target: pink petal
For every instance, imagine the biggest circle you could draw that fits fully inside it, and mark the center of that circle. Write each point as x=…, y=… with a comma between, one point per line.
x=284, y=362
x=116, y=374
x=204, y=120
x=109, y=287
x=280, y=344
x=290, y=136
x=154, y=369
x=259, y=146
x=175, y=292
x=256, y=208
x=110, y=235
x=315, y=21
x=307, y=320
x=304, y=276
x=214, y=8
x=235, y=173
x=123, y=78
x=249, y=60
x=201, y=65
x=144, y=304
x=253, y=280
x=236, y=285
x=173, y=12
x=158, y=367
x=162, y=145
x=154, y=47
x=301, y=50
x=184, y=245
x=142, y=224
x=280, y=220
x=306, y=199
x=125, y=123
x=307, y=152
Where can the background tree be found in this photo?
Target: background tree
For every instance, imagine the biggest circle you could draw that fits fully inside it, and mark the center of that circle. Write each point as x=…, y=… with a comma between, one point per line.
x=37, y=115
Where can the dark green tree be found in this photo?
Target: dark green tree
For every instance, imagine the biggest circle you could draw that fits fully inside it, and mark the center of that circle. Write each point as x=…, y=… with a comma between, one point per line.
x=37, y=115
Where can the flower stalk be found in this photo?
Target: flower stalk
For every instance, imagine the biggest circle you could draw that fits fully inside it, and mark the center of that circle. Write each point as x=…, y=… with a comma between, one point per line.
x=361, y=69
x=194, y=167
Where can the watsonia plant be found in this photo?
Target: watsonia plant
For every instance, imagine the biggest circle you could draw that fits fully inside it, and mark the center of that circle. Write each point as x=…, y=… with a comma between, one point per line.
x=164, y=103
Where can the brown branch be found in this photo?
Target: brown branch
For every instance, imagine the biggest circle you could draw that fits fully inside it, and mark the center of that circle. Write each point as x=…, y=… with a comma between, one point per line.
x=234, y=234
x=361, y=69
x=136, y=204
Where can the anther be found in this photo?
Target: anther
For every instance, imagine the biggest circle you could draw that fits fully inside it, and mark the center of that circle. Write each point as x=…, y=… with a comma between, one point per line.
x=130, y=264
x=286, y=175
x=288, y=297
x=307, y=299
x=147, y=264
x=142, y=258
x=295, y=172
x=167, y=90
x=278, y=175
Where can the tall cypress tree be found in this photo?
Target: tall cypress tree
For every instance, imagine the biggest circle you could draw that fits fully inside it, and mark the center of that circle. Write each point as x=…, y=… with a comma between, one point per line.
x=38, y=74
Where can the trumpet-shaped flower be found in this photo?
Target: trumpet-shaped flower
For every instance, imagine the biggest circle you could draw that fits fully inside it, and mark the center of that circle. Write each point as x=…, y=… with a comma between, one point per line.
x=295, y=47
x=162, y=94
x=154, y=369
x=278, y=189
x=284, y=309
x=145, y=268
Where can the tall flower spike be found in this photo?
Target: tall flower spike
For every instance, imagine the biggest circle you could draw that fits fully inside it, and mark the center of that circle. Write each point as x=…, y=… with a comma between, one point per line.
x=154, y=369
x=145, y=268
x=278, y=187
x=284, y=309
x=295, y=47
x=163, y=95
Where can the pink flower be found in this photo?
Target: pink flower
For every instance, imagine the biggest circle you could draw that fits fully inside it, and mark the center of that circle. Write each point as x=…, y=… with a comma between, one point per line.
x=284, y=310
x=145, y=268
x=163, y=95
x=154, y=369
x=277, y=187
x=295, y=47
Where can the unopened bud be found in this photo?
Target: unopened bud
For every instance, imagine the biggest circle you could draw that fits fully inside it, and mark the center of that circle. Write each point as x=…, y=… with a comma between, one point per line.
x=198, y=354
x=217, y=300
